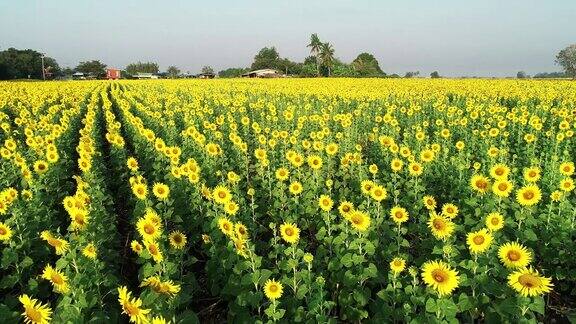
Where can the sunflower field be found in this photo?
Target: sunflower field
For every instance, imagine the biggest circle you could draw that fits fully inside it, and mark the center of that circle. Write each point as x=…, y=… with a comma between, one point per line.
x=288, y=200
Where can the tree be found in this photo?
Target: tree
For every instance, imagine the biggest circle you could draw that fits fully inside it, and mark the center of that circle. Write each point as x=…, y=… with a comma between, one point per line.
x=267, y=58
x=435, y=75
x=315, y=47
x=327, y=56
x=22, y=64
x=139, y=67
x=566, y=58
x=521, y=75
x=341, y=69
x=366, y=64
x=94, y=68
x=173, y=72
x=411, y=74
x=232, y=72
x=207, y=70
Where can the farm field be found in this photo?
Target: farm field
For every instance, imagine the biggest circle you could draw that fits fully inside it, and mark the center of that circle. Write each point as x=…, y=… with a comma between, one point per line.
x=288, y=200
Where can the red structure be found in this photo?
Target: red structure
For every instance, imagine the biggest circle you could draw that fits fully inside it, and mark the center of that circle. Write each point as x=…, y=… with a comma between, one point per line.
x=112, y=74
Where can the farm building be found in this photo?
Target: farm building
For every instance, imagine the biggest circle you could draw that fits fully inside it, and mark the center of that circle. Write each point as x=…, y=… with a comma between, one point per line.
x=112, y=74
x=206, y=76
x=264, y=73
x=141, y=75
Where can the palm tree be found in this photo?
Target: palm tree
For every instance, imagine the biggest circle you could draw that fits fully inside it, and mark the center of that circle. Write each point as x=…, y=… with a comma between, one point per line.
x=315, y=46
x=327, y=55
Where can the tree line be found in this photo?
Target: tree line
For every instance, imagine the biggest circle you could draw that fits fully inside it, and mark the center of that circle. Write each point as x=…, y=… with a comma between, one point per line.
x=322, y=62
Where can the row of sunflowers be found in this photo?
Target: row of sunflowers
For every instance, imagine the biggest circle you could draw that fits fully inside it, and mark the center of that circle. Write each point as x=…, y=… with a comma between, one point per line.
x=181, y=201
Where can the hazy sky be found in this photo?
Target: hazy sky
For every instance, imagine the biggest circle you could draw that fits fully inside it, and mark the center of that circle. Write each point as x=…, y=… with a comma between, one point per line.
x=489, y=37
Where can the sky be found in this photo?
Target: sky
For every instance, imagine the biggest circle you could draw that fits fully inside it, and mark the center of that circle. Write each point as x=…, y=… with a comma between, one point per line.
x=457, y=38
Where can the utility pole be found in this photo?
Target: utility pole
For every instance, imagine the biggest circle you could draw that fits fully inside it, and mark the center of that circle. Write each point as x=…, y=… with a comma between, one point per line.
x=43, y=70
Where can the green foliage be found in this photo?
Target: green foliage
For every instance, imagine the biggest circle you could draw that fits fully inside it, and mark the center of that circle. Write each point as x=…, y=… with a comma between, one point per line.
x=366, y=65
x=94, y=68
x=23, y=64
x=232, y=72
x=140, y=67
x=173, y=72
x=566, y=58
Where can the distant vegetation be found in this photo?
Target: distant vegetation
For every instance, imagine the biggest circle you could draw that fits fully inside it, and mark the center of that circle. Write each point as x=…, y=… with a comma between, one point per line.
x=322, y=62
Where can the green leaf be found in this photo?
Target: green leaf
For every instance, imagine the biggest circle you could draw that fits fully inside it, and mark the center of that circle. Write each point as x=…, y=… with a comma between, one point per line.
x=431, y=305
x=346, y=260
x=464, y=302
x=538, y=305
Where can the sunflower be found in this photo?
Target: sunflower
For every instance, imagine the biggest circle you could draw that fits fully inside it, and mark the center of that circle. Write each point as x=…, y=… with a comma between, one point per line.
x=161, y=191
x=532, y=174
x=136, y=247
x=556, y=195
x=5, y=232
x=57, y=278
x=162, y=287
x=494, y=221
x=315, y=162
x=282, y=174
x=40, y=166
x=241, y=231
x=373, y=168
x=528, y=195
x=440, y=277
x=34, y=311
x=529, y=283
x=366, y=186
x=345, y=209
x=479, y=241
x=226, y=226
x=442, y=228
x=359, y=220
x=479, y=183
x=273, y=289
x=79, y=218
x=399, y=215
x=159, y=320
x=60, y=245
x=295, y=188
x=148, y=228
x=325, y=203
x=500, y=171
x=397, y=265
x=132, y=164
x=140, y=190
x=290, y=232
x=429, y=202
x=221, y=195
x=567, y=168
x=514, y=255
x=415, y=169
x=502, y=188
x=177, y=240
x=231, y=208
x=132, y=306
x=378, y=193
x=567, y=184
x=396, y=165
x=450, y=211
x=154, y=251
x=89, y=251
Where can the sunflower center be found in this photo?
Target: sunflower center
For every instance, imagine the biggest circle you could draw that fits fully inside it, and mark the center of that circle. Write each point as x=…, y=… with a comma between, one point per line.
x=532, y=174
x=399, y=214
x=289, y=231
x=3, y=231
x=438, y=224
x=273, y=288
x=495, y=221
x=499, y=172
x=57, y=279
x=356, y=219
x=439, y=276
x=33, y=314
x=222, y=195
x=502, y=187
x=149, y=229
x=397, y=263
x=528, y=280
x=481, y=184
x=513, y=255
x=153, y=249
x=131, y=310
x=177, y=239
x=528, y=195
x=345, y=209
x=478, y=239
